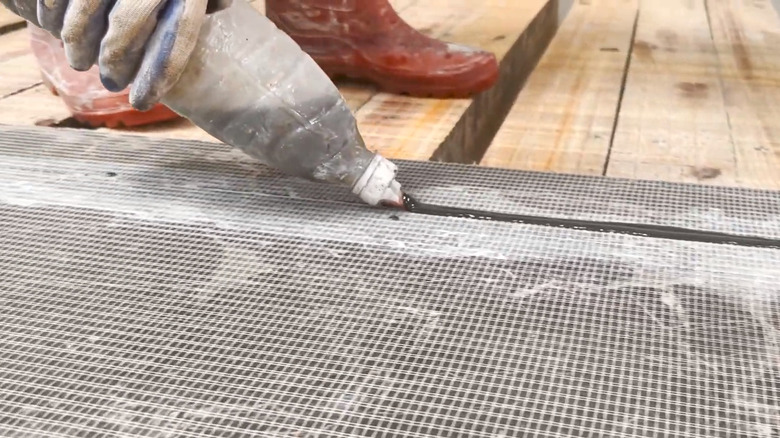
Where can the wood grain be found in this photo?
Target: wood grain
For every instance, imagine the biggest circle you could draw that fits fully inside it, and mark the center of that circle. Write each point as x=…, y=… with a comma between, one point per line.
x=9, y=20
x=24, y=100
x=747, y=40
x=18, y=67
x=563, y=118
x=673, y=125
x=20, y=109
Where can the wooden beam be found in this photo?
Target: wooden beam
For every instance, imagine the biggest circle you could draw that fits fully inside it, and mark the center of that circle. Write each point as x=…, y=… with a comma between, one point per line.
x=460, y=130
x=747, y=41
x=563, y=118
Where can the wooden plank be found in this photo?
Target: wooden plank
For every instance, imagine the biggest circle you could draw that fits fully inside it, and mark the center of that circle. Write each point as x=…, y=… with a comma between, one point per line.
x=563, y=118
x=18, y=67
x=459, y=130
x=747, y=40
x=19, y=109
x=24, y=100
x=9, y=20
x=672, y=124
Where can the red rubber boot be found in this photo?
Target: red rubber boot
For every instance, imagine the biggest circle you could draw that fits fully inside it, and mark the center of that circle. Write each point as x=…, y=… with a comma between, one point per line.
x=366, y=39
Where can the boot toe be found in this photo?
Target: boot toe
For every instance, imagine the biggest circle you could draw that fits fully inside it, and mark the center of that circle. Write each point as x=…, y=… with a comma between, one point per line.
x=461, y=72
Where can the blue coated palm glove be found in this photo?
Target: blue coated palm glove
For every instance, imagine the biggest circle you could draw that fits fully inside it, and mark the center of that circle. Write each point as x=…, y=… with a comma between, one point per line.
x=146, y=43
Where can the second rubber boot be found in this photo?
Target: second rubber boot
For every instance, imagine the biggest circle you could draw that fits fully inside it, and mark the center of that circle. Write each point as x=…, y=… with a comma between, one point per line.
x=366, y=39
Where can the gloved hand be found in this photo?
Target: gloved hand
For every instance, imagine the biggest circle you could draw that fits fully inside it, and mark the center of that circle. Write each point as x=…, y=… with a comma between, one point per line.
x=143, y=42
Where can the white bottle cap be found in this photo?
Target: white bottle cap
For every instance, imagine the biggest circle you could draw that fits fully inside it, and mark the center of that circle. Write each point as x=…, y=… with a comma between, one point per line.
x=378, y=184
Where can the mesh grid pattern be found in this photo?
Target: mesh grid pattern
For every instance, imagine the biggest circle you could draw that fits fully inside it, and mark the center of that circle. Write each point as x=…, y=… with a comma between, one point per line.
x=143, y=297
x=709, y=208
x=142, y=328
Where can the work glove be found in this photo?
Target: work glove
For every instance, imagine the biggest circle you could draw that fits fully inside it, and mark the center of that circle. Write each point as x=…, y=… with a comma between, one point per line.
x=143, y=42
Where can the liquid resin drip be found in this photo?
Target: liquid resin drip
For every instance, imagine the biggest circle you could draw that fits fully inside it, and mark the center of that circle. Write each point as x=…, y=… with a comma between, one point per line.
x=656, y=231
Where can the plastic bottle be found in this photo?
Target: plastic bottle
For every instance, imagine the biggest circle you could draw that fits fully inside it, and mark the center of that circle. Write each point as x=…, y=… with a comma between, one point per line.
x=82, y=92
x=251, y=86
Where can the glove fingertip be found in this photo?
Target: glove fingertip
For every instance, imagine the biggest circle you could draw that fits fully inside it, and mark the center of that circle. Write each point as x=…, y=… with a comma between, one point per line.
x=81, y=56
x=79, y=60
x=84, y=26
x=110, y=84
x=141, y=102
x=142, y=93
x=168, y=51
x=116, y=72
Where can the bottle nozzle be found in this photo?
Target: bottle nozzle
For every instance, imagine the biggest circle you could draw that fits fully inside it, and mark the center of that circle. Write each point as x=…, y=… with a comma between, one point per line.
x=378, y=185
x=393, y=196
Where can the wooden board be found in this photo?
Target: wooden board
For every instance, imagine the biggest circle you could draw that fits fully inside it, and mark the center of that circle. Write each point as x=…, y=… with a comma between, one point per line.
x=18, y=67
x=403, y=127
x=9, y=20
x=24, y=100
x=459, y=130
x=563, y=118
x=747, y=40
x=673, y=125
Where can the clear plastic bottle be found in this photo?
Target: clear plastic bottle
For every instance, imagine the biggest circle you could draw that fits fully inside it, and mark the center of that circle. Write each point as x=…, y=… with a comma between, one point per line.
x=82, y=92
x=251, y=86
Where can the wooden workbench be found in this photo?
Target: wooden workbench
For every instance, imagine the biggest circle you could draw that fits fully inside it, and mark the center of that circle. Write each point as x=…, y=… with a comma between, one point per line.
x=682, y=91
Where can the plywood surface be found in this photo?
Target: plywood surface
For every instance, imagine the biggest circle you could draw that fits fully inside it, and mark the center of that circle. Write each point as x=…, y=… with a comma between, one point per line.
x=564, y=116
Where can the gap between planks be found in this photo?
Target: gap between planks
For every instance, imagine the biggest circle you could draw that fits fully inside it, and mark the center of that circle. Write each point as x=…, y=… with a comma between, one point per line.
x=673, y=125
x=564, y=117
x=700, y=102
x=396, y=126
x=701, y=99
x=9, y=21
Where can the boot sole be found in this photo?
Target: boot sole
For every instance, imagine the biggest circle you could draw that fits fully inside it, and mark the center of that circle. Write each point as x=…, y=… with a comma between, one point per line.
x=414, y=87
